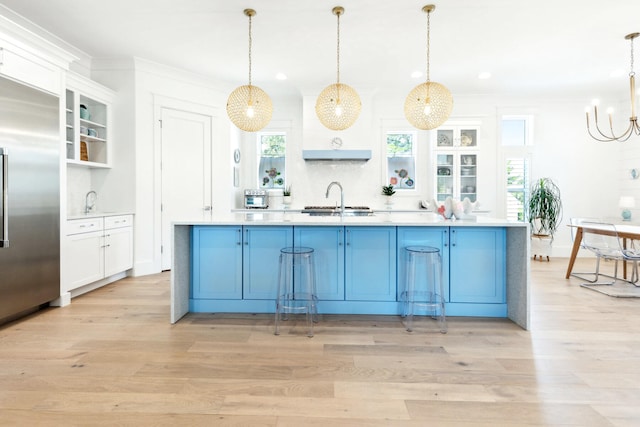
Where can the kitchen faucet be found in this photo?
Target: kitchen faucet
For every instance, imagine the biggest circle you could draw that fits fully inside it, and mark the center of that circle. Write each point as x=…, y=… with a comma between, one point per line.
x=341, y=195
x=88, y=207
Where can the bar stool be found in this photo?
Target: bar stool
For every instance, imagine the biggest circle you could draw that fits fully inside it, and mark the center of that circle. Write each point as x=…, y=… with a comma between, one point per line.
x=296, y=286
x=424, y=287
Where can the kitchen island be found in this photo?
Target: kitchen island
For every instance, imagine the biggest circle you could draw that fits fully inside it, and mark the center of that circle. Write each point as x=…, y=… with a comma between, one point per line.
x=229, y=264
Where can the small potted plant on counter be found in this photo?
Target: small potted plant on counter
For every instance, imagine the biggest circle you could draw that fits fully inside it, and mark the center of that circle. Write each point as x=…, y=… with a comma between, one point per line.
x=286, y=196
x=388, y=191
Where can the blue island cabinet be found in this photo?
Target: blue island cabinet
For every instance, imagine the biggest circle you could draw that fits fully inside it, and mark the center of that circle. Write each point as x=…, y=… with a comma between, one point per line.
x=261, y=257
x=437, y=237
x=370, y=265
x=328, y=246
x=216, y=262
x=477, y=272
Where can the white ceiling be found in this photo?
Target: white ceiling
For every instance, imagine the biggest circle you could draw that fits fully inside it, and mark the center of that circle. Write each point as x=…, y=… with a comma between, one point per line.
x=550, y=47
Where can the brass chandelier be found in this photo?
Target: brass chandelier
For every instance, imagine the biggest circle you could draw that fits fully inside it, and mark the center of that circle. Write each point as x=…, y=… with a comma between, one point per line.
x=338, y=105
x=249, y=107
x=633, y=127
x=429, y=104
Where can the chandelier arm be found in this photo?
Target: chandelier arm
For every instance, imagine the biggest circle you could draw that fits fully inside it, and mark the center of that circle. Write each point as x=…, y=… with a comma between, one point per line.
x=604, y=137
x=623, y=137
x=633, y=127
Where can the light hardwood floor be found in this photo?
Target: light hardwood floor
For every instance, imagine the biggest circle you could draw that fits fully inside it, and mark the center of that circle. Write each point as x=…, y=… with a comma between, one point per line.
x=113, y=358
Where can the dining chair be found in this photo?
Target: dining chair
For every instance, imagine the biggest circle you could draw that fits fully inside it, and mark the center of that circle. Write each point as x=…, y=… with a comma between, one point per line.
x=603, y=246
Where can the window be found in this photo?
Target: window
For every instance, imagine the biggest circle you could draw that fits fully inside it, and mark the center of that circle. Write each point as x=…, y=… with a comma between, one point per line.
x=401, y=163
x=271, y=167
x=516, y=137
x=515, y=131
x=517, y=186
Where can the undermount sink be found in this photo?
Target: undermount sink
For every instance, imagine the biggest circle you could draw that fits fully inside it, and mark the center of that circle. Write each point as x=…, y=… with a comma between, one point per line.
x=335, y=211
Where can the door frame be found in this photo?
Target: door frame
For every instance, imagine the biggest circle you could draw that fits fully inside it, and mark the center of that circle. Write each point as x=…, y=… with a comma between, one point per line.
x=160, y=102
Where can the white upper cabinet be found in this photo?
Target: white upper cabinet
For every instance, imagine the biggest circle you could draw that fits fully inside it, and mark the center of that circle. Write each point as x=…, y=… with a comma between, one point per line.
x=448, y=137
x=88, y=122
x=26, y=67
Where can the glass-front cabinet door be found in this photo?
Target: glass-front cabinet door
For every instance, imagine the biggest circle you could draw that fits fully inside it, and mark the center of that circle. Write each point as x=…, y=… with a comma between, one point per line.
x=456, y=136
x=468, y=179
x=456, y=176
x=445, y=172
x=456, y=152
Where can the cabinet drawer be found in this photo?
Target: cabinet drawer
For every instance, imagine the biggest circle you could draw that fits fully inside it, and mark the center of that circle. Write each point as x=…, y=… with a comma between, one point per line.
x=118, y=221
x=77, y=226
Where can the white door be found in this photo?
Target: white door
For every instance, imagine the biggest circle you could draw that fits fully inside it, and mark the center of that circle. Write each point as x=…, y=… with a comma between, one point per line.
x=186, y=171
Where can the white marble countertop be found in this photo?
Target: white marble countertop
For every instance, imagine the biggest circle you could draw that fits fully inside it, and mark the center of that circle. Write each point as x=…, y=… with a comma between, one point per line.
x=379, y=218
x=97, y=215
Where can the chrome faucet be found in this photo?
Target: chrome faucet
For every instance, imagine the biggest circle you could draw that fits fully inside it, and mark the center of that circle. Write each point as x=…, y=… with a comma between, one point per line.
x=341, y=195
x=89, y=205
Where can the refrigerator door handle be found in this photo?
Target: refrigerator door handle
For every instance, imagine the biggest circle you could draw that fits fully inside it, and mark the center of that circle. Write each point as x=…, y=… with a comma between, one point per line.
x=4, y=239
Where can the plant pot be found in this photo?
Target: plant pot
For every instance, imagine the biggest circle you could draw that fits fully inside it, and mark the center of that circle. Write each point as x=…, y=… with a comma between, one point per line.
x=286, y=200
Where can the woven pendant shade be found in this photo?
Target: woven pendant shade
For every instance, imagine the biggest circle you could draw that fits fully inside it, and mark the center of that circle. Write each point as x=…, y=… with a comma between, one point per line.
x=238, y=108
x=338, y=106
x=248, y=106
x=428, y=105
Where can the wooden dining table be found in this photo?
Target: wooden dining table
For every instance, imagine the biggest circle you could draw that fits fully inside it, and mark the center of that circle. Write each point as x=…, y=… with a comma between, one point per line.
x=625, y=231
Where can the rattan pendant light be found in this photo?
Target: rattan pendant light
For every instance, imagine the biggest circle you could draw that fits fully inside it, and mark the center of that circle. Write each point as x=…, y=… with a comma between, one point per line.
x=429, y=104
x=338, y=105
x=249, y=107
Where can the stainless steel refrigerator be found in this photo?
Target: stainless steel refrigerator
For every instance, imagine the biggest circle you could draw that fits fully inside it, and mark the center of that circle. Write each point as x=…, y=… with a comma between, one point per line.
x=29, y=199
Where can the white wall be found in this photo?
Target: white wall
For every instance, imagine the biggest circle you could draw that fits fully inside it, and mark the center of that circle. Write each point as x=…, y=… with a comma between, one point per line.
x=138, y=82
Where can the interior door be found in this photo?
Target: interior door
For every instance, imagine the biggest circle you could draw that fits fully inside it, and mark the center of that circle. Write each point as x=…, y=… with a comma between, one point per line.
x=186, y=143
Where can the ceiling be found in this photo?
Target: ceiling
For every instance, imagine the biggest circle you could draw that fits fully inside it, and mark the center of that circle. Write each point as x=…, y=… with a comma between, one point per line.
x=566, y=48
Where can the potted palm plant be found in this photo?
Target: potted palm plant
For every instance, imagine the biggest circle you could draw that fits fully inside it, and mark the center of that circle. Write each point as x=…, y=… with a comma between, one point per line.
x=545, y=208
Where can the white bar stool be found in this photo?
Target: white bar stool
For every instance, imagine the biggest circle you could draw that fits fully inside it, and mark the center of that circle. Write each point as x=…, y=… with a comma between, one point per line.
x=424, y=285
x=296, y=286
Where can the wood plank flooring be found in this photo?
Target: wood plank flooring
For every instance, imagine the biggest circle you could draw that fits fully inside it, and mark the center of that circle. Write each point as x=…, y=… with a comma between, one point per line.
x=113, y=358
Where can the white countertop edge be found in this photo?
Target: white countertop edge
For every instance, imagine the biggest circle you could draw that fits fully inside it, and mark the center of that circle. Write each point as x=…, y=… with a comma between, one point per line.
x=274, y=218
x=98, y=215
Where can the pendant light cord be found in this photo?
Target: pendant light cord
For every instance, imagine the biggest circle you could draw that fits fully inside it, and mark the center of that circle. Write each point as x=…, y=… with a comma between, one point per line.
x=428, y=43
x=338, y=61
x=250, y=42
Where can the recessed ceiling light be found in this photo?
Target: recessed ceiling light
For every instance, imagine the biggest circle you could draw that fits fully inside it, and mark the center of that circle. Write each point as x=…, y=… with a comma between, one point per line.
x=416, y=74
x=484, y=75
x=281, y=76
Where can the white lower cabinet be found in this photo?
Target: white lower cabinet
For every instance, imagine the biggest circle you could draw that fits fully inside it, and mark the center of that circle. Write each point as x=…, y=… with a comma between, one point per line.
x=118, y=244
x=96, y=248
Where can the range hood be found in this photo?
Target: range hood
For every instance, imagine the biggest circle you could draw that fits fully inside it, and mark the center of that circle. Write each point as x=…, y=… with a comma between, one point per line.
x=353, y=144
x=336, y=155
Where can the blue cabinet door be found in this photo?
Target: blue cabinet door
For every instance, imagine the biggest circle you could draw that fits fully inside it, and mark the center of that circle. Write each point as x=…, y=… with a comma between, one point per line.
x=477, y=264
x=216, y=262
x=328, y=246
x=261, y=254
x=437, y=237
x=370, y=263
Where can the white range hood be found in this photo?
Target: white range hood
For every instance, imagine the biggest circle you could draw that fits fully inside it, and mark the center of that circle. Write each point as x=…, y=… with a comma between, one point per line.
x=319, y=142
